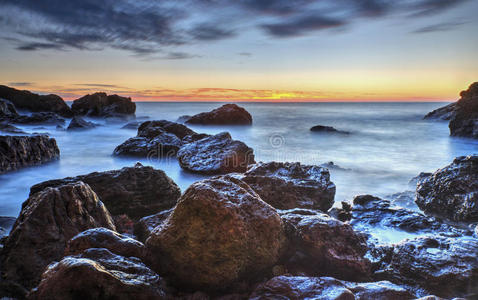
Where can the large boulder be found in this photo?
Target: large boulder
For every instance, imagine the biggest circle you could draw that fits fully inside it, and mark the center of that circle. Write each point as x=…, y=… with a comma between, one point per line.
x=220, y=231
x=151, y=129
x=35, y=102
x=300, y=287
x=446, y=267
x=134, y=191
x=228, y=114
x=451, y=192
x=47, y=221
x=100, y=104
x=78, y=123
x=217, y=154
x=22, y=151
x=291, y=185
x=98, y=273
x=323, y=246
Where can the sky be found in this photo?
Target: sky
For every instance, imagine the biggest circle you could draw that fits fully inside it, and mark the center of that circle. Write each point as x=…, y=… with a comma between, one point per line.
x=241, y=50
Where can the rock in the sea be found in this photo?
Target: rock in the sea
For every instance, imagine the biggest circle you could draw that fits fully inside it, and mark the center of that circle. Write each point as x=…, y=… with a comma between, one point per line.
x=100, y=104
x=299, y=287
x=324, y=246
x=99, y=274
x=104, y=238
x=135, y=191
x=7, y=109
x=217, y=154
x=443, y=113
x=228, y=114
x=47, y=221
x=22, y=151
x=322, y=128
x=219, y=232
x=11, y=129
x=131, y=125
x=35, y=102
x=78, y=123
x=291, y=185
x=146, y=225
x=39, y=118
x=452, y=192
x=151, y=129
x=446, y=267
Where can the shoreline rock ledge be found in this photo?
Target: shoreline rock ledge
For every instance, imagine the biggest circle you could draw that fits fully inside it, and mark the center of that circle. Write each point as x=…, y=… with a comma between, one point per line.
x=228, y=114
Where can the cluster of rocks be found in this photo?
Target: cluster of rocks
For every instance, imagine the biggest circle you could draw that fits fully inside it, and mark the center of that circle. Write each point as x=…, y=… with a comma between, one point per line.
x=267, y=233
x=463, y=114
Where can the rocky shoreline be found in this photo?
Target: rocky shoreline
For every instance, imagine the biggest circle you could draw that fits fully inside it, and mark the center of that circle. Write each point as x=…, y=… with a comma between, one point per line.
x=253, y=230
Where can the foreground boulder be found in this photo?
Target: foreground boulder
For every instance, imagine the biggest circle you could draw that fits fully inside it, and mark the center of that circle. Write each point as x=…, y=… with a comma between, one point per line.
x=452, y=192
x=445, y=267
x=228, y=114
x=220, y=231
x=297, y=288
x=35, y=102
x=98, y=273
x=78, y=123
x=217, y=154
x=330, y=129
x=22, y=151
x=291, y=185
x=324, y=246
x=47, y=221
x=100, y=104
x=134, y=191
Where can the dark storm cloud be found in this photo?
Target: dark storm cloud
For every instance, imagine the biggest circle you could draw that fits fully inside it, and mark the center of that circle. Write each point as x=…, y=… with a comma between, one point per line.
x=302, y=25
x=178, y=55
x=210, y=32
x=38, y=46
x=275, y=7
x=432, y=7
x=447, y=26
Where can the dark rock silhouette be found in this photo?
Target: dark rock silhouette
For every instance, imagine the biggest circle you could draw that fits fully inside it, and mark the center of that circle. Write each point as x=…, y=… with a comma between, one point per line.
x=11, y=129
x=35, y=102
x=228, y=114
x=22, y=151
x=78, y=123
x=7, y=109
x=330, y=129
x=102, y=105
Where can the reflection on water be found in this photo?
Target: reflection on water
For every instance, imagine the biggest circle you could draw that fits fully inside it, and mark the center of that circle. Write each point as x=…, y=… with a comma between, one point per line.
x=389, y=144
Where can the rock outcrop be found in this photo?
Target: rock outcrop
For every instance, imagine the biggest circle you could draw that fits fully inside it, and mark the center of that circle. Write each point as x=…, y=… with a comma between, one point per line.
x=38, y=118
x=7, y=109
x=99, y=274
x=78, y=123
x=217, y=154
x=35, y=102
x=135, y=191
x=100, y=105
x=7, y=128
x=47, y=221
x=291, y=185
x=451, y=192
x=220, y=231
x=22, y=151
x=228, y=114
x=330, y=129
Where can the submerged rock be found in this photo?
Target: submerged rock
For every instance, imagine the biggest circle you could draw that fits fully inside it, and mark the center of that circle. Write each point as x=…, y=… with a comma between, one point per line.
x=452, y=192
x=299, y=287
x=220, y=231
x=11, y=129
x=100, y=105
x=35, y=102
x=99, y=274
x=324, y=246
x=291, y=185
x=135, y=191
x=228, y=114
x=131, y=125
x=322, y=128
x=78, y=123
x=217, y=154
x=39, y=118
x=22, y=151
x=47, y=221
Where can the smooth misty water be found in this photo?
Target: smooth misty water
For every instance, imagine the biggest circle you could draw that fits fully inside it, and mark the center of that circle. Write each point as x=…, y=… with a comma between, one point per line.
x=389, y=144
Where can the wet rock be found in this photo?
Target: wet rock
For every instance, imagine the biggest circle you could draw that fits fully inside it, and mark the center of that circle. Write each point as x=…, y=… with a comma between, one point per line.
x=217, y=154
x=331, y=165
x=47, y=221
x=324, y=246
x=39, y=118
x=135, y=191
x=446, y=267
x=452, y=192
x=35, y=102
x=78, y=123
x=6, y=223
x=146, y=225
x=330, y=129
x=291, y=185
x=417, y=179
x=11, y=129
x=151, y=129
x=220, y=231
x=100, y=105
x=99, y=274
x=228, y=114
x=298, y=287
x=370, y=212
x=7, y=109
x=131, y=125
x=22, y=151
x=443, y=113
x=104, y=238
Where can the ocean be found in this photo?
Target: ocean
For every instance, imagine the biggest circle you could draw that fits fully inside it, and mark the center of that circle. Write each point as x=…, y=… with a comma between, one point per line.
x=388, y=144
